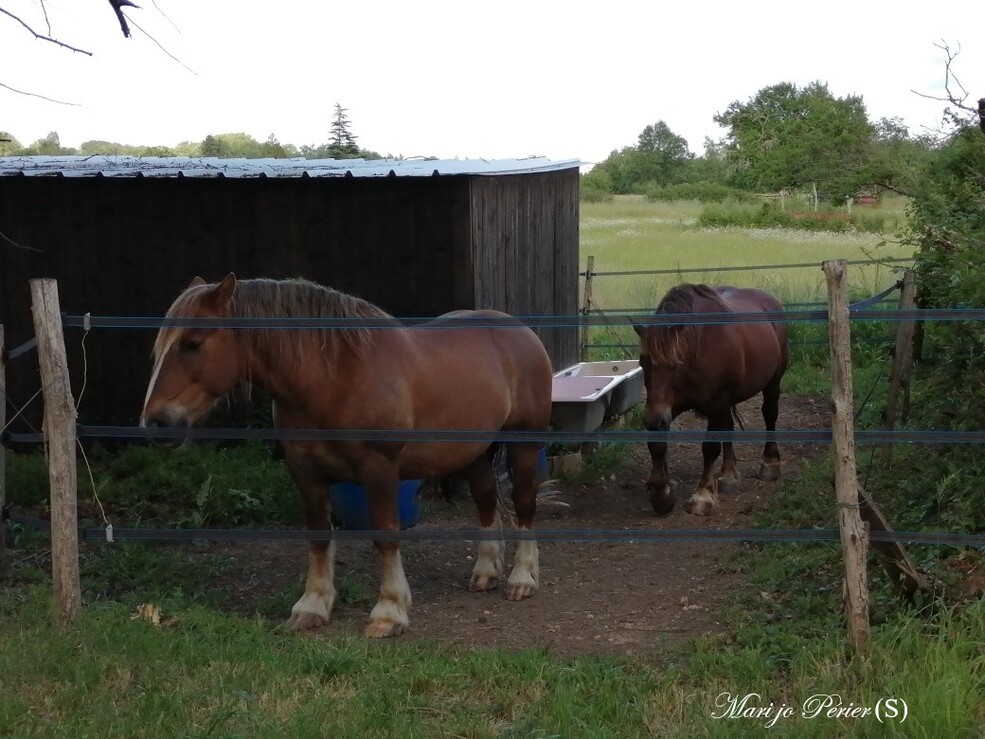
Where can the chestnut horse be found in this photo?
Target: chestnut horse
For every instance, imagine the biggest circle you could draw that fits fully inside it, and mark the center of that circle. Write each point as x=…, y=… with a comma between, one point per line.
x=480, y=379
x=709, y=368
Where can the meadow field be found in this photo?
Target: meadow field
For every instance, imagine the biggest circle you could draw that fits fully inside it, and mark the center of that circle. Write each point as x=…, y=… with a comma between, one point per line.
x=631, y=233
x=204, y=669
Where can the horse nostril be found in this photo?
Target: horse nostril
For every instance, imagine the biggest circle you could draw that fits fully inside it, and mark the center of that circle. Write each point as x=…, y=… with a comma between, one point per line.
x=657, y=422
x=163, y=422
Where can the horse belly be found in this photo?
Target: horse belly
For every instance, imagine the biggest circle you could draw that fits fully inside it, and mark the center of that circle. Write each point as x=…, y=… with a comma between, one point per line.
x=763, y=357
x=436, y=459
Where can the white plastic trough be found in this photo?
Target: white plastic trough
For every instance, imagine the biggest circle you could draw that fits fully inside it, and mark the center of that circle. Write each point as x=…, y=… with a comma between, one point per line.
x=587, y=393
x=627, y=392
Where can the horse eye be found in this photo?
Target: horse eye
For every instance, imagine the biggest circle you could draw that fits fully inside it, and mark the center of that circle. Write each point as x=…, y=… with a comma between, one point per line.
x=190, y=346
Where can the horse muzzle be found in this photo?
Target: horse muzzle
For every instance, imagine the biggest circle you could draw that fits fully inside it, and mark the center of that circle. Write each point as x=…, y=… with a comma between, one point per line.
x=657, y=420
x=164, y=431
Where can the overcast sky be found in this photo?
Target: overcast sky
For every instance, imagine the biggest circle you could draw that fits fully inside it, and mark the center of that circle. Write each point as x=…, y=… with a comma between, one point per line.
x=465, y=79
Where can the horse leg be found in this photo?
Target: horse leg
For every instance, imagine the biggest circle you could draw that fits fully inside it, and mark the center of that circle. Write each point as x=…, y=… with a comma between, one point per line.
x=661, y=494
x=314, y=607
x=489, y=562
x=705, y=498
x=381, y=480
x=728, y=479
x=770, y=468
x=525, y=576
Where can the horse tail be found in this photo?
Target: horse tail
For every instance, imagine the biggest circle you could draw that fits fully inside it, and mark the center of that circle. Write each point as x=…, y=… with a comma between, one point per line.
x=499, y=461
x=737, y=418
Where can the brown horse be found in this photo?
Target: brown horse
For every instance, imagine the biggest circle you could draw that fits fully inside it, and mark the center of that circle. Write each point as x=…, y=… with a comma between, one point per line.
x=709, y=368
x=454, y=377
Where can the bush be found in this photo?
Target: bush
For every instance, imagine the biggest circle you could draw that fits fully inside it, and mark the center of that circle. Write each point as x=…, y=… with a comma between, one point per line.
x=704, y=192
x=197, y=485
x=27, y=480
x=594, y=195
x=767, y=215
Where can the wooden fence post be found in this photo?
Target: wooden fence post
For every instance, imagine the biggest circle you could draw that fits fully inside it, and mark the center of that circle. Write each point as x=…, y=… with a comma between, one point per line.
x=854, y=536
x=899, y=376
x=586, y=308
x=3, y=452
x=59, y=435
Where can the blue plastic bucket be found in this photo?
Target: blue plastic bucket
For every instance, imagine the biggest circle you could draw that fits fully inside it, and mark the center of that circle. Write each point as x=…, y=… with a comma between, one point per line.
x=503, y=469
x=350, y=506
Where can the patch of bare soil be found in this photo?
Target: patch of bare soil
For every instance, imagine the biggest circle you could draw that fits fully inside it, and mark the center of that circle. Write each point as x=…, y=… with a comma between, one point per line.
x=594, y=597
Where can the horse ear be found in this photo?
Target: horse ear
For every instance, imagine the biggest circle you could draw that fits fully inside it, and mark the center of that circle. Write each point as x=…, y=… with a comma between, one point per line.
x=224, y=290
x=197, y=282
x=640, y=329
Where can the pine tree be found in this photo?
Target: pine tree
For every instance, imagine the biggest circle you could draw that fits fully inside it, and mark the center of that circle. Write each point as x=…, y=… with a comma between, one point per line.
x=343, y=143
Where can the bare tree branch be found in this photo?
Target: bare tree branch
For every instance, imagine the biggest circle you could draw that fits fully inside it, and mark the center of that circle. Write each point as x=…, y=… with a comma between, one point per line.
x=43, y=37
x=35, y=95
x=19, y=246
x=163, y=49
x=175, y=27
x=957, y=101
x=44, y=9
x=118, y=6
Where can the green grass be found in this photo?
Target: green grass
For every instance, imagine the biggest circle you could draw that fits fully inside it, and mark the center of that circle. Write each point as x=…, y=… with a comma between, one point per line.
x=197, y=485
x=204, y=673
x=631, y=233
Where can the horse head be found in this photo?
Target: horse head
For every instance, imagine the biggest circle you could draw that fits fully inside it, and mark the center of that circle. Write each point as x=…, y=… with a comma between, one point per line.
x=666, y=351
x=662, y=371
x=193, y=366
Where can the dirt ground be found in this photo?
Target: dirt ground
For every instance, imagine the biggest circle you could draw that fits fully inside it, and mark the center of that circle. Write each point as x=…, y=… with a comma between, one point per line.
x=594, y=597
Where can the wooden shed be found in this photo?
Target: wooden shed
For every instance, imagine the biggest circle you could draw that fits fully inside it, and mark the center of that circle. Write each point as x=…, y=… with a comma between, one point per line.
x=123, y=235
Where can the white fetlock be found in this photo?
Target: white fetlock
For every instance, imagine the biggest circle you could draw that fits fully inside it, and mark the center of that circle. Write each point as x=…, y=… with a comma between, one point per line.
x=525, y=577
x=312, y=611
x=489, y=560
x=703, y=503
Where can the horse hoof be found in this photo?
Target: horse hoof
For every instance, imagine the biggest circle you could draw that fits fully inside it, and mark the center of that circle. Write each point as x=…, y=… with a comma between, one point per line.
x=728, y=486
x=384, y=629
x=701, y=504
x=769, y=471
x=662, y=500
x=520, y=591
x=482, y=583
x=305, y=621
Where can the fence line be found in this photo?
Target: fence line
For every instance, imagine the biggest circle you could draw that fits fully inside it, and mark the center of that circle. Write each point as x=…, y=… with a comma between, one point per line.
x=894, y=315
x=853, y=535
x=468, y=436
x=632, y=536
x=743, y=268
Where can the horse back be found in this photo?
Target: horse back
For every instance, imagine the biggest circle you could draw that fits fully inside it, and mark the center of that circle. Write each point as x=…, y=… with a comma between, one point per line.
x=764, y=344
x=492, y=354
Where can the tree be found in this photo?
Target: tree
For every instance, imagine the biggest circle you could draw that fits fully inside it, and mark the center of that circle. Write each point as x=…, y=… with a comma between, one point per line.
x=116, y=5
x=896, y=159
x=343, y=142
x=660, y=156
x=946, y=213
x=50, y=145
x=9, y=145
x=790, y=137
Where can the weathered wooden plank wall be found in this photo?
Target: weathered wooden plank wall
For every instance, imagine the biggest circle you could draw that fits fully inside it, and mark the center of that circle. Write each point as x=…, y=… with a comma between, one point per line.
x=525, y=248
x=414, y=246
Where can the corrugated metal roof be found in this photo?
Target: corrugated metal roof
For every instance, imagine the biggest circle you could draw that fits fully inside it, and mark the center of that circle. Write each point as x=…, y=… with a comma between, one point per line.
x=130, y=166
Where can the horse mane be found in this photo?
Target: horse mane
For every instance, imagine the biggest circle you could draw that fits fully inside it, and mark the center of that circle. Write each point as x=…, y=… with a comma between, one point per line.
x=674, y=345
x=294, y=298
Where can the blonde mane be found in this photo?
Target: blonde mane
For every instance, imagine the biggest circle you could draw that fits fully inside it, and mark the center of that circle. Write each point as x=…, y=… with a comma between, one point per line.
x=296, y=298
